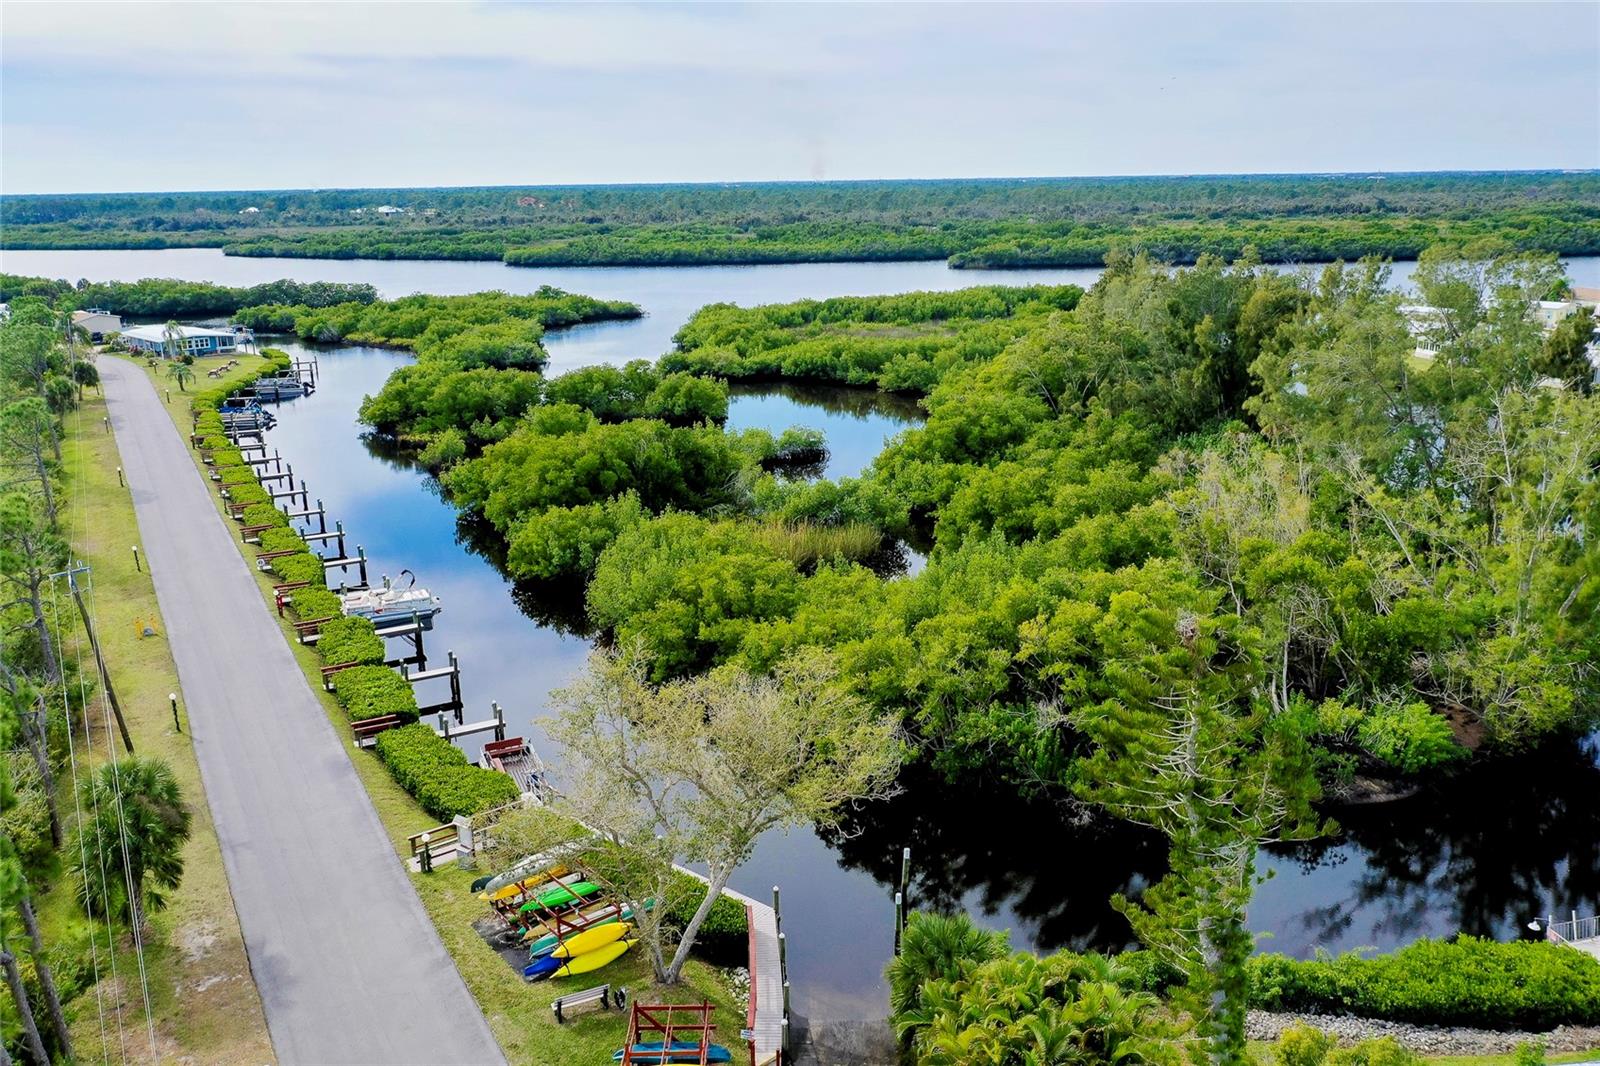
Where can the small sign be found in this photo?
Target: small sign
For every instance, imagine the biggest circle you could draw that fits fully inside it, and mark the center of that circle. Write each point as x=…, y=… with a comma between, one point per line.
x=747, y=1035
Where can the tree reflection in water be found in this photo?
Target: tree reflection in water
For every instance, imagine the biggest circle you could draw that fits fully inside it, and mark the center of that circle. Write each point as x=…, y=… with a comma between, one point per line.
x=1037, y=866
x=1481, y=853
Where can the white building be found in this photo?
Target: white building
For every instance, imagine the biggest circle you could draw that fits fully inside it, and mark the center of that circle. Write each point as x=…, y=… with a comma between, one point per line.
x=194, y=340
x=97, y=323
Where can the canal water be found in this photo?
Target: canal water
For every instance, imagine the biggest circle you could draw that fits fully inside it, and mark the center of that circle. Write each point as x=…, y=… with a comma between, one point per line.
x=1483, y=854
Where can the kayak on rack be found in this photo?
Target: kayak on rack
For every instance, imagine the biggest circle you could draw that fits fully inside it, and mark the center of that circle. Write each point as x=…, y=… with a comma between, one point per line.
x=591, y=939
x=655, y=1053
x=549, y=966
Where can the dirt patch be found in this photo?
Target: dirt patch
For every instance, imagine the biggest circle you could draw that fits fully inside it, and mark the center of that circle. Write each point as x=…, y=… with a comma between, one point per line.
x=196, y=940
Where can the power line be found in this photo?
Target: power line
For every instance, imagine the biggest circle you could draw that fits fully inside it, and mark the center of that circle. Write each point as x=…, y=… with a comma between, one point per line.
x=77, y=806
x=135, y=913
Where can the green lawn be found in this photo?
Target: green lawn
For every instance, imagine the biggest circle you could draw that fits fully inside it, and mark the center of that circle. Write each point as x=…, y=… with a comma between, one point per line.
x=1261, y=1052
x=518, y=1012
x=203, y=999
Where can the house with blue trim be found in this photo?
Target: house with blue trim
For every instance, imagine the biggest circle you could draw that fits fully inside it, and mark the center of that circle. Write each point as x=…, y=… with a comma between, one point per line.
x=193, y=340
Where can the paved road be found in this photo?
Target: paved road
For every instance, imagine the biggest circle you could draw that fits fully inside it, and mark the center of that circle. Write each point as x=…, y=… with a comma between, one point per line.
x=349, y=967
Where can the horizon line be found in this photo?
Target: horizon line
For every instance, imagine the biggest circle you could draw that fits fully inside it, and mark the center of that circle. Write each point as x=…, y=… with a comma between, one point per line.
x=735, y=182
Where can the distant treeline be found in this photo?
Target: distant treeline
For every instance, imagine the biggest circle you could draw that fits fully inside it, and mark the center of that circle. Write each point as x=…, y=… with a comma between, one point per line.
x=975, y=224
x=170, y=298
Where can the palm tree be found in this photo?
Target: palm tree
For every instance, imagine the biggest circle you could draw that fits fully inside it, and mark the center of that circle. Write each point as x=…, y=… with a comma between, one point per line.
x=70, y=330
x=172, y=339
x=135, y=827
x=936, y=946
x=182, y=373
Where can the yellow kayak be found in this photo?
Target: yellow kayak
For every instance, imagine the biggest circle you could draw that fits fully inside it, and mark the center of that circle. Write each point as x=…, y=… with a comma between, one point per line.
x=525, y=884
x=593, y=960
x=591, y=940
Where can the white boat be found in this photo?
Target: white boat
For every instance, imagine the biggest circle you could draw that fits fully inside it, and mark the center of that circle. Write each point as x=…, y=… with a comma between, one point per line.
x=283, y=388
x=390, y=606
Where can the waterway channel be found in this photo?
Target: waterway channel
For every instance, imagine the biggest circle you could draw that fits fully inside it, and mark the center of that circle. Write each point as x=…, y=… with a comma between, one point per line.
x=1483, y=854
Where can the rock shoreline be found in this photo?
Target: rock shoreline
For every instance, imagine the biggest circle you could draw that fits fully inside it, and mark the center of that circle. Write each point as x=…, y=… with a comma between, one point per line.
x=1425, y=1039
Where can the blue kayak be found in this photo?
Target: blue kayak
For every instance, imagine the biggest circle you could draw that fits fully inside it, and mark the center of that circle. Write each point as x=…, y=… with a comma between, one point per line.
x=543, y=966
x=652, y=1051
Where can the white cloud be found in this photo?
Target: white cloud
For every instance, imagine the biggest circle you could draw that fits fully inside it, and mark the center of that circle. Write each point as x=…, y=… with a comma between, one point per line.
x=139, y=95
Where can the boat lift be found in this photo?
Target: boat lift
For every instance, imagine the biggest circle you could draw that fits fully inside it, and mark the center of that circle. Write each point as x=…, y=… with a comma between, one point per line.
x=451, y=671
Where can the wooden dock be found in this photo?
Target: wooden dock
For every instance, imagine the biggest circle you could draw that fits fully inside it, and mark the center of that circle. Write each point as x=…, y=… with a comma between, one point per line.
x=767, y=1019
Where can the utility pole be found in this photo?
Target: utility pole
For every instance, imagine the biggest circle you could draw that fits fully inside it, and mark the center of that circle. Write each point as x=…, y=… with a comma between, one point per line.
x=105, y=675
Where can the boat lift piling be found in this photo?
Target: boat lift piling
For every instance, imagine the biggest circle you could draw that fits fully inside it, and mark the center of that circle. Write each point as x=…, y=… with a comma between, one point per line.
x=318, y=512
x=497, y=724
x=452, y=671
x=336, y=534
x=344, y=562
x=291, y=493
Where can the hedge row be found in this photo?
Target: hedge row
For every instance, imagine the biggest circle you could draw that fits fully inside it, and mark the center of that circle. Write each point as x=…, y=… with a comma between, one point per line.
x=351, y=640
x=436, y=772
x=249, y=495
x=264, y=514
x=1465, y=981
x=372, y=691
x=301, y=567
x=426, y=765
x=312, y=603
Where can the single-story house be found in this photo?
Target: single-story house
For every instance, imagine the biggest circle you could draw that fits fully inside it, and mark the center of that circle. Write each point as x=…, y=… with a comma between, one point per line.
x=195, y=340
x=97, y=323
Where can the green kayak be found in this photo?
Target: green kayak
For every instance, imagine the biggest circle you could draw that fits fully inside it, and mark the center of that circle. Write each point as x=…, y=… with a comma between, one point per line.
x=555, y=897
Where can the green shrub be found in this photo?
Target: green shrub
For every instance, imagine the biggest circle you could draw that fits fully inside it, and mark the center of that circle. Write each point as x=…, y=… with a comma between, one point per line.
x=447, y=448
x=350, y=640
x=249, y=494
x=1466, y=981
x=281, y=539
x=237, y=475
x=1383, y=1051
x=1302, y=1045
x=724, y=928
x=436, y=773
x=227, y=457
x=372, y=691
x=1529, y=1053
x=1410, y=737
x=1145, y=971
x=264, y=514
x=302, y=567
x=312, y=603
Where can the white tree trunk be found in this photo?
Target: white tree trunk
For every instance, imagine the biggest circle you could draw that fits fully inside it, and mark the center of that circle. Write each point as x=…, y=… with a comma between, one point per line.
x=719, y=881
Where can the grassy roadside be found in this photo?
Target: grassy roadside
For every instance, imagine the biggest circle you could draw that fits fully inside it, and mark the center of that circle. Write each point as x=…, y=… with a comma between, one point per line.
x=203, y=998
x=518, y=1013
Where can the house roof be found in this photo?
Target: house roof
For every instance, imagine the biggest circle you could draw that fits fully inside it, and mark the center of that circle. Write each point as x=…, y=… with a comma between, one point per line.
x=159, y=333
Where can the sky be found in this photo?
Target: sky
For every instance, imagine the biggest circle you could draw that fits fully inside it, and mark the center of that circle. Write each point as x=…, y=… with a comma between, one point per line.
x=145, y=96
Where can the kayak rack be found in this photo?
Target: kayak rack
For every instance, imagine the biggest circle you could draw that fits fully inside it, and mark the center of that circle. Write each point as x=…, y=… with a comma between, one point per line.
x=670, y=1026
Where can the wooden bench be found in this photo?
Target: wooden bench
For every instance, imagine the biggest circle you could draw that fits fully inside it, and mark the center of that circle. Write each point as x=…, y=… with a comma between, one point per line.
x=366, y=731
x=602, y=995
x=329, y=671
